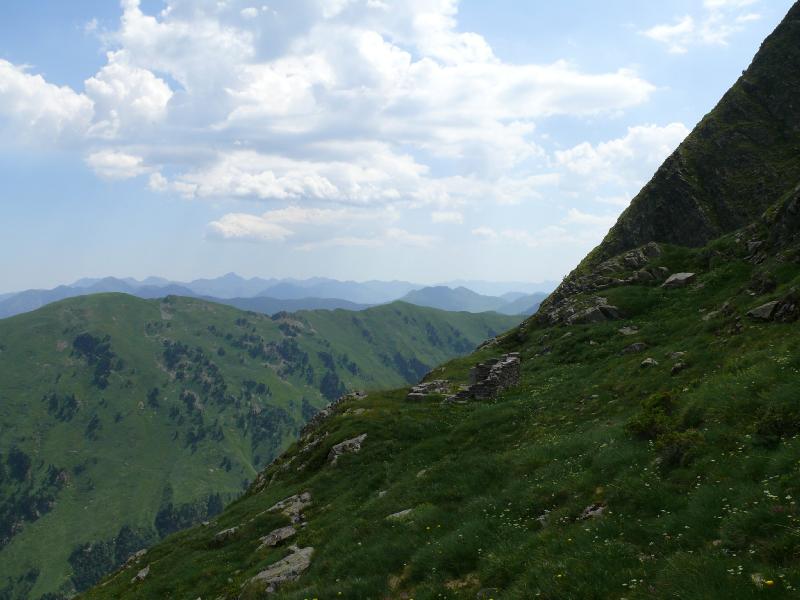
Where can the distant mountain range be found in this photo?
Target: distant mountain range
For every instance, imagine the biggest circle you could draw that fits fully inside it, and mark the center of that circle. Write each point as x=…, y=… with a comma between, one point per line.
x=464, y=299
x=271, y=296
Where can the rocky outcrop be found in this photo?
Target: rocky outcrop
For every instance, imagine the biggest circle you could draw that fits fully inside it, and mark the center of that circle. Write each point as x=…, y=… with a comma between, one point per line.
x=632, y=267
x=422, y=390
x=353, y=445
x=287, y=569
x=679, y=280
x=273, y=538
x=490, y=378
x=225, y=536
x=293, y=506
x=328, y=411
x=785, y=310
x=141, y=575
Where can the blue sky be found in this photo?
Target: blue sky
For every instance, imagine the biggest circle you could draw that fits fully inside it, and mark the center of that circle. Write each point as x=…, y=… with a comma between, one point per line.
x=425, y=140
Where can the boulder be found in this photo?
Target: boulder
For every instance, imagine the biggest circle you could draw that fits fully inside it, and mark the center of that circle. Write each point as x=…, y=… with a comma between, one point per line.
x=649, y=362
x=678, y=367
x=595, y=314
x=287, y=569
x=226, y=535
x=635, y=348
x=141, y=575
x=679, y=280
x=273, y=538
x=400, y=515
x=765, y=312
x=629, y=330
x=353, y=445
x=593, y=511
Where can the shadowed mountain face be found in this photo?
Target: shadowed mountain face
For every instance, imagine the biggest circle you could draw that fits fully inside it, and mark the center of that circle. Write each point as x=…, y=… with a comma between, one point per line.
x=640, y=444
x=738, y=161
x=123, y=420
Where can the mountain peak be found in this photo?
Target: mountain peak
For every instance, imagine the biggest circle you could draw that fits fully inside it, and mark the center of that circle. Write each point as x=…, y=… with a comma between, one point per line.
x=732, y=167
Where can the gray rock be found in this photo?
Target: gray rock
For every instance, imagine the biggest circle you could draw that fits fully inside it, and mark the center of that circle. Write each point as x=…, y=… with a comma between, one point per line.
x=635, y=348
x=353, y=445
x=141, y=575
x=593, y=511
x=649, y=362
x=679, y=280
x=287, y=569
x=676, y=355
x=225, y=535
x=292, y=506
x=678, y=367
x=765, y=312
x=629, y=330
x=400, y=515
x=273, y=538
x=134, y=558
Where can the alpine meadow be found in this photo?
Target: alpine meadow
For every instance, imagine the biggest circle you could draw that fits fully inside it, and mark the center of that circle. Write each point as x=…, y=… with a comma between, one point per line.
x=327, y=428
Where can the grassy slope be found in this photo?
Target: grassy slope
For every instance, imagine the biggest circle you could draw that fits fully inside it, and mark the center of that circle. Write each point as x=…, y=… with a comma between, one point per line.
x=120, y=474
x=702, y=506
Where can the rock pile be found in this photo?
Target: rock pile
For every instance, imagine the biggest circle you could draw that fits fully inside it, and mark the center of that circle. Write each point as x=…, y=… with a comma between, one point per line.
x=421, y=390
x=490, y=378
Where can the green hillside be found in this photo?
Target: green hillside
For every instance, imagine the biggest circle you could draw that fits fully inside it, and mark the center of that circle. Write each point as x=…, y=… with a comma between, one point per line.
x=651, y=448
x=123, y=420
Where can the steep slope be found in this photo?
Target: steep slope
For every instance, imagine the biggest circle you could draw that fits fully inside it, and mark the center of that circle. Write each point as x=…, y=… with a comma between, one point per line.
x=122, y=420
x=738, y=161
x=651, y=448
x=526, y=305
x=460, y=298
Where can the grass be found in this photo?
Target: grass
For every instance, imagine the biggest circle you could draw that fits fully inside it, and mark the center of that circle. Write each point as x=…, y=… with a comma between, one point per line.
x=86, y=452
x=698, y=472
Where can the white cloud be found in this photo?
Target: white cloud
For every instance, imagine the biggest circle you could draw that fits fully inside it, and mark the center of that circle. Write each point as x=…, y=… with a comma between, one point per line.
x=126, y=96
x=625, y=161
x=244, y=227
x=447, y=216
x=407, y=238
x=36, y=108
x=720, y=20
x=113, y=164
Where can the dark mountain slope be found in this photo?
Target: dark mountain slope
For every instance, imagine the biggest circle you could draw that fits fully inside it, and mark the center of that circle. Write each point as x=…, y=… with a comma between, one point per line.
x=739, y=160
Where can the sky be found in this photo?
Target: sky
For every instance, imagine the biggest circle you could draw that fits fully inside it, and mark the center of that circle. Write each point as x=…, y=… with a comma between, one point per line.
x=422, y=140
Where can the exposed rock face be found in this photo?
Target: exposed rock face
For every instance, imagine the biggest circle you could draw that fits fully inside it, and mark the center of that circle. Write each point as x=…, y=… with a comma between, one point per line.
x=421, y=390
x=273, y=538
x=352, y=445
x=679, y=280
x=490, y=378
x=326, y=412
x=286, y=569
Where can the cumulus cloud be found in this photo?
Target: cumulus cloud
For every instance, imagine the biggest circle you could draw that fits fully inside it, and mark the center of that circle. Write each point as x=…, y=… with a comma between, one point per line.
x=114, y=164
x=34, y=107
x=126, y=97
x=625, y=161
x=447, y=216
x=720, y=20
x=244, y=227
